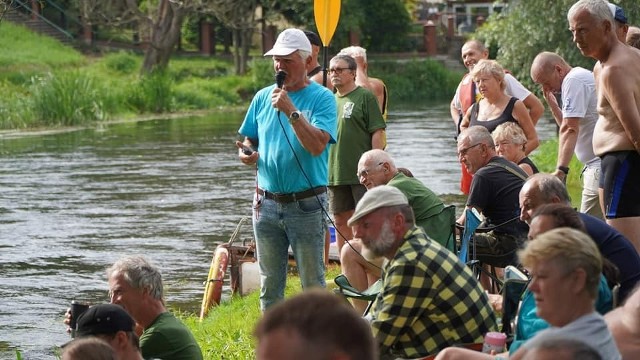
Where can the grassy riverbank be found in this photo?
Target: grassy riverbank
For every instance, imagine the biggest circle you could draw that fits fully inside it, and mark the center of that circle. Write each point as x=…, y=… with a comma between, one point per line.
x=227, y=333
x=47, y=84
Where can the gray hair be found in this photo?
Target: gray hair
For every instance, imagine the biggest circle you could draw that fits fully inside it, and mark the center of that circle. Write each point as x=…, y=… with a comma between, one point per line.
x=490, y=68
x=599, y=10
x=477, y=135
x=351, y=62
x=138, y=273
x=549, y=186
x=511, y=132
x=377, y=156
x=354, y=51
x=304, y=54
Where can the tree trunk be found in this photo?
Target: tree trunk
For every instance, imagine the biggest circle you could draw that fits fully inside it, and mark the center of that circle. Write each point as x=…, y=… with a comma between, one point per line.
x=165, y=34
x=236, y=50
x=246, y=44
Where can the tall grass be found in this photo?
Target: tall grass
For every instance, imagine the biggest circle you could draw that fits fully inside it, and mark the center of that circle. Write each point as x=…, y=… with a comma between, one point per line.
x=45, y=83
x=153, y=93
x=67, y=98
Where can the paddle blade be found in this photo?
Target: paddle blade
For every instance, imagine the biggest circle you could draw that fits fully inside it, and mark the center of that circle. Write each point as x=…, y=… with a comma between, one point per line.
x=327, y=14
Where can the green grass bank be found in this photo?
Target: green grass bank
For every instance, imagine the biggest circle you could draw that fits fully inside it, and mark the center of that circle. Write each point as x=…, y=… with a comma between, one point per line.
x=47, y=84
x=227, y=332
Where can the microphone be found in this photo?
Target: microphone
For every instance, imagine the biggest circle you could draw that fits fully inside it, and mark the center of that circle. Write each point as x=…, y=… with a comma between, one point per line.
x=280, y=75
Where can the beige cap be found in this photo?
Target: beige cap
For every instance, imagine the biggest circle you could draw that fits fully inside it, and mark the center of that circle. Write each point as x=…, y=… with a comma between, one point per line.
x=378, y=197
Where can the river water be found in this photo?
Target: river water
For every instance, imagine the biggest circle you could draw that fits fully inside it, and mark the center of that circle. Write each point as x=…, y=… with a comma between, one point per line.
x=71, y=203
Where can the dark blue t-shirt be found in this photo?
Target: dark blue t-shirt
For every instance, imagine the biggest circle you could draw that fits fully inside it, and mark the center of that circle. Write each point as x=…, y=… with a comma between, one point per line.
x=617, y=249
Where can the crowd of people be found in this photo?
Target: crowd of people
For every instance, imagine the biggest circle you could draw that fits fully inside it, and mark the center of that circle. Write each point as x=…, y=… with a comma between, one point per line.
x=317, y=139
x=388, y=233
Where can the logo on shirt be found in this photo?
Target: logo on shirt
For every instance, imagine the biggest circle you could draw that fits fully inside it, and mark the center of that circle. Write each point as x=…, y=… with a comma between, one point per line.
x=347, y=109
x=568, y=106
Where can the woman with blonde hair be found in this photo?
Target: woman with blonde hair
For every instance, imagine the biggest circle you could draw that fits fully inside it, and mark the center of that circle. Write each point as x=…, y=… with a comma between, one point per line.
x=496, y=107
x=510, y=143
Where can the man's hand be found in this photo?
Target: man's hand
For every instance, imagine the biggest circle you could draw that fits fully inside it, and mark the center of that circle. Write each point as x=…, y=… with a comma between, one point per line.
x=247, y=155
x=281, y=102
x=551, y=99
x=560, y=175
x=67, y=320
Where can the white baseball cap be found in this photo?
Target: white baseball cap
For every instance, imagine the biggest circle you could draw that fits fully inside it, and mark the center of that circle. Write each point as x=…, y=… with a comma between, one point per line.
x=289, y=41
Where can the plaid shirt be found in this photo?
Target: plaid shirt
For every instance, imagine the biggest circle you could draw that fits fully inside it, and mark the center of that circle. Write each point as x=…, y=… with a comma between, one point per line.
x=429, y=300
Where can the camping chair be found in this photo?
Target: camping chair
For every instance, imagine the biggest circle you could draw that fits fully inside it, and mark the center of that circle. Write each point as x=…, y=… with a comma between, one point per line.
x=345, y=289
x=441, y=227
x=515, y=283
x=472, y=224
x=473, y=220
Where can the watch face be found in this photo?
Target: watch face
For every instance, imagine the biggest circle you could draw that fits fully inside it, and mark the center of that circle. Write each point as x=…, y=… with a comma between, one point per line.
x=295, y=115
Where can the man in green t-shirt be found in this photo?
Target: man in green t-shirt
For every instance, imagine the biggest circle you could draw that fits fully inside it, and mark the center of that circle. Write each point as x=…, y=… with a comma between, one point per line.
x=376, y=167
x=136, y=285
x=360, y=128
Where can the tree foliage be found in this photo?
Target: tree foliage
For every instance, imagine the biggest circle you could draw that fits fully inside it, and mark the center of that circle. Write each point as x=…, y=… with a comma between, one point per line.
x=528, y=27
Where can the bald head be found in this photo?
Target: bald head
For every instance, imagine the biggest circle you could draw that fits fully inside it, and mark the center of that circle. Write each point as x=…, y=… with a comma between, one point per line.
x=548, y=70
x=376, y=156
x=540, y=189
x=376, y=167
x=476, y=44
x=546, y=61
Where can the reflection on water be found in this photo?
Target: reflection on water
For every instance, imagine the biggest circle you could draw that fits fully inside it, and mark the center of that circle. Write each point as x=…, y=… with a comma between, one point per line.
x=72, y=203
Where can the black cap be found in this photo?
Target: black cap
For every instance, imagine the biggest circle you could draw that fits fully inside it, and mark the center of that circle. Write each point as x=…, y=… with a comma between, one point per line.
x=104, y=319
x=314, y=39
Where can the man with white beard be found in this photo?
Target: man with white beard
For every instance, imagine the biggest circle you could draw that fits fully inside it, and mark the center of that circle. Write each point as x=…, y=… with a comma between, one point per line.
x=429, y=299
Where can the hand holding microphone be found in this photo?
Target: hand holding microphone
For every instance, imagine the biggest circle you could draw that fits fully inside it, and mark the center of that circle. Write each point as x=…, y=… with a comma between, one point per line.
x=280, y=77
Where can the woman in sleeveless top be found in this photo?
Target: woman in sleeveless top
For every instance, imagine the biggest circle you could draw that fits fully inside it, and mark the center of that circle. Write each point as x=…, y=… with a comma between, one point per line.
x=496, y=107
x=510, y=142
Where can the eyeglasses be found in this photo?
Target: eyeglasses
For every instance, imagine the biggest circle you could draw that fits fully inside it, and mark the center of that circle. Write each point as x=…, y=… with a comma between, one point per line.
x=464, y=151
x=338, y=70
x=365, y=172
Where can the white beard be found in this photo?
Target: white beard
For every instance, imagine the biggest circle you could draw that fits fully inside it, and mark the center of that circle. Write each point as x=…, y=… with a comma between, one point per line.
x=381, y=245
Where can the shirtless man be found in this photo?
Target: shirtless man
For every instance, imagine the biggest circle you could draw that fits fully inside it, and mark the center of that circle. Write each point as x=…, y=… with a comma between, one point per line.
x=616, y=137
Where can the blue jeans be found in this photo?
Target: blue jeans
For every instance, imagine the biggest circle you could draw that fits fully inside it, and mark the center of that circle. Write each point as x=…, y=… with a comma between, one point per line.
x=299, y=224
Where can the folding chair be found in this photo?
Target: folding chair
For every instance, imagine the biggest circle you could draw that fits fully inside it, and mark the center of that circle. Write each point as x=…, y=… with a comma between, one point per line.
x=515, y=283
x=441, y=227
x=473, y=220
x=345, y=289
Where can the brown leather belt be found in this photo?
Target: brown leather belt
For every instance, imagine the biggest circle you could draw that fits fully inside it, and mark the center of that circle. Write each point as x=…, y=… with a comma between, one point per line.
x=287, y=198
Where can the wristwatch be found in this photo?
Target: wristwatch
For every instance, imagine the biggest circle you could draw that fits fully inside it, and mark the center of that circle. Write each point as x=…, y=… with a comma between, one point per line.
x=294, y=117
x=564, y=169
